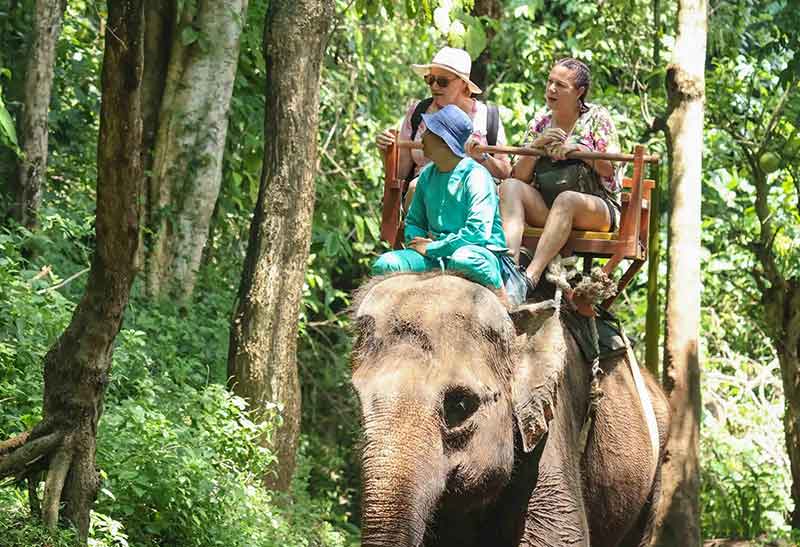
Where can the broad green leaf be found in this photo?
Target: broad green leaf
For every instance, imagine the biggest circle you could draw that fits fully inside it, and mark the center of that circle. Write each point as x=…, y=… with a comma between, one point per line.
x=189, y=35
x=475, y=38
x=7, y=130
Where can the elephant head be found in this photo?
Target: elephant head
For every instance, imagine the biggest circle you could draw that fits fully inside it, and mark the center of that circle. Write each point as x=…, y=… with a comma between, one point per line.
x=446, y=398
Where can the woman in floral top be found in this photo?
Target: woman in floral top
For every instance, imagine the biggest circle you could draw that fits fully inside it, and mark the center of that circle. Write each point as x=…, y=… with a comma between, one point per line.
x=567, y=124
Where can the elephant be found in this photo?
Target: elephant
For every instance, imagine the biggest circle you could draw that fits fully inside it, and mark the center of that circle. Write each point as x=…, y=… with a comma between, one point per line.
x=472, y=418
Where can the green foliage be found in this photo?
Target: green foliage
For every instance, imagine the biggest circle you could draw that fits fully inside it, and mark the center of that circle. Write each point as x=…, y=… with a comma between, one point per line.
x=8, y=135
x=745, y=488
x=179, y=455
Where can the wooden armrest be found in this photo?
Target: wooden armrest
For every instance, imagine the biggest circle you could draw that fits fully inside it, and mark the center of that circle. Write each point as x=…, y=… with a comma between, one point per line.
x=648, y=184
x=626, y=198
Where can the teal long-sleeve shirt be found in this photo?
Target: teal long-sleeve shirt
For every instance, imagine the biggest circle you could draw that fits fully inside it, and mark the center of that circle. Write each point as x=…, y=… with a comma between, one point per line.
x=454, y=209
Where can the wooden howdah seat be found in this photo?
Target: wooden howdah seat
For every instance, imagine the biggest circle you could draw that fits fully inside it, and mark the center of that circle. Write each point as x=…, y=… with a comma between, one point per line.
x=629, y=242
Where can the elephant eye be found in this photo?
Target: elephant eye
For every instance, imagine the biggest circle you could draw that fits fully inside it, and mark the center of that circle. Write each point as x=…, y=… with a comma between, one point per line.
x=459, y=404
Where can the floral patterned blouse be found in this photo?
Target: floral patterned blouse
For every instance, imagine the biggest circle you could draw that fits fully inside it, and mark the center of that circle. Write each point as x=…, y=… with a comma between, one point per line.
x=594, y=129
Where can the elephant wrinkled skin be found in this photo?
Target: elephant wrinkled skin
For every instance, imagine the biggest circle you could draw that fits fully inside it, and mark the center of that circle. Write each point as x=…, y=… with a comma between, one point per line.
x=471, y=425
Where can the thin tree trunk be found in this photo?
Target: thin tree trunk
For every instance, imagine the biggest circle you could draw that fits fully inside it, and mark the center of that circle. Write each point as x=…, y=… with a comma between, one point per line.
x=15, y=22
x=39, y=72
x=159, y=28
x=653, y=325
x=789, y=359
x=262, y=361
x=680, y=508
x=192, y=125
x=76, y=367
x=480, y=66
x=781, y=299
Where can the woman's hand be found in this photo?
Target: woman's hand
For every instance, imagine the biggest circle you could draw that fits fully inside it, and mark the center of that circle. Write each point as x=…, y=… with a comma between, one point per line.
x=469, y=148
x=559, y=151
x=420, y=244
x=385, y=139
x=550, y=136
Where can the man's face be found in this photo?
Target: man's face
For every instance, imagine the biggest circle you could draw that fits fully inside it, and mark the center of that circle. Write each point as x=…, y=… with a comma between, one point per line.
x=434, y=148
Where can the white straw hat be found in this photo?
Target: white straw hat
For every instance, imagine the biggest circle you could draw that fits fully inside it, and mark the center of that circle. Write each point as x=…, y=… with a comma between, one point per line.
x=454, y=60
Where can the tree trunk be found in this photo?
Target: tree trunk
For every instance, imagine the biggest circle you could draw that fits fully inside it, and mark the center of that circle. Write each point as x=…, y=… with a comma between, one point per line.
x=262, y=361
x=653, y=325
x=789, y=359
x=39, y=72
x=76, y=367
x=781, y=304
x=14, y=27
x=192, y=125
x=159, y=27
x=480, y=66
x=680, y=509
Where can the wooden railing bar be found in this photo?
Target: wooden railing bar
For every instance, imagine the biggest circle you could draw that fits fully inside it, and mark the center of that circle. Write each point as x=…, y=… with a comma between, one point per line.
x=525, y=151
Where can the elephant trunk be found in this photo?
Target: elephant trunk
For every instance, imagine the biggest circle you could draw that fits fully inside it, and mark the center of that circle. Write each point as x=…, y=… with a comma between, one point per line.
x=403, y=476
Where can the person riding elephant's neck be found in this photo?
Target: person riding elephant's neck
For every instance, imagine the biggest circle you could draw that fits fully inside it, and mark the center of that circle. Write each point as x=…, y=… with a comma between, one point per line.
x=439, y=152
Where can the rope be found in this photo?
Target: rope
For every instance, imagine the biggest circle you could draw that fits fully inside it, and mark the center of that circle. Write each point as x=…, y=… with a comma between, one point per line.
x=559, y=272
x=595, y=391
x=647, y=406
x=596, y=287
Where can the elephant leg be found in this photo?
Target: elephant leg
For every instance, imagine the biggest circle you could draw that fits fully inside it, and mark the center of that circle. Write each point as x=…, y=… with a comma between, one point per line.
x=556, y=513
x=642, y=532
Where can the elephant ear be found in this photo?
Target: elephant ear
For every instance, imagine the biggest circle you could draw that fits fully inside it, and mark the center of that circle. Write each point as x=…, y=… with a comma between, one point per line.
x=539, y=364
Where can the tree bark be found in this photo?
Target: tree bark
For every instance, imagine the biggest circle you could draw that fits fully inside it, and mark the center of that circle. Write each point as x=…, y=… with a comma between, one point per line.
x=159, y=27
x=262, y=361
x=788, y=348
x=653, y=322
x=76, y=367
x=15, y=23
x=187, y=156
x=680, y=510
x=32, y=166
x=480, y=66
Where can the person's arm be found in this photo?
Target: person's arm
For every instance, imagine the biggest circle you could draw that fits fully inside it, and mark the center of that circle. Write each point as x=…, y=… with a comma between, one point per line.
x=477, y=229
x=534, y=138
x=405, y=164
x=600, y=135
x=499, y=165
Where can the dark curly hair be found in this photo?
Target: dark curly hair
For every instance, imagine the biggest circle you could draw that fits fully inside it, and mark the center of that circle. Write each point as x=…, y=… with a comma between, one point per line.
x=583, y=77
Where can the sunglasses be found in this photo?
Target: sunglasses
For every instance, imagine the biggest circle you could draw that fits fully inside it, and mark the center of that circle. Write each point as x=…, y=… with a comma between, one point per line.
x=441, y=81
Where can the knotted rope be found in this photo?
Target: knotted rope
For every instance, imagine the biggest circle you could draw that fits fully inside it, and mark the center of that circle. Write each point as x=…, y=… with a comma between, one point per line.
x=559, y=272
x=594, y=288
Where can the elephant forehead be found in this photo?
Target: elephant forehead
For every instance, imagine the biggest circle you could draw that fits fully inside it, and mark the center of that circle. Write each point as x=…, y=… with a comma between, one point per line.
x=430, y=299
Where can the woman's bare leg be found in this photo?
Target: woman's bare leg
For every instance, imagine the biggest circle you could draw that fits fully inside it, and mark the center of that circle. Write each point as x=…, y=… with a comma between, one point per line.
x=520, y=203
x=583, y=211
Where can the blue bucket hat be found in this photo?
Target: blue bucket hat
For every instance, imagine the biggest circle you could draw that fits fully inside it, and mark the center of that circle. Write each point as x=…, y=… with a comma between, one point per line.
x=452, y=125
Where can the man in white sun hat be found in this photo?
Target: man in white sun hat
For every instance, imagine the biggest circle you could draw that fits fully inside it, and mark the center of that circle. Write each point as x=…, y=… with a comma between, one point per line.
x=447, y=75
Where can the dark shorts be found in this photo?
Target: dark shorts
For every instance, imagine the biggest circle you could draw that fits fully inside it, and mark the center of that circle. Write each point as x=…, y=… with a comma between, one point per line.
x=613, y=213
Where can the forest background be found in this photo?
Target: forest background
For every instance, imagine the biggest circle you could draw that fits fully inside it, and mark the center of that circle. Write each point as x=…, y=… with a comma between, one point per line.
x=179, y=455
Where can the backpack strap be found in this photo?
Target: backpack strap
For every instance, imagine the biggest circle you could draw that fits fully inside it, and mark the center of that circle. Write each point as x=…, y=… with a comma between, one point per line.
x=416, y=117
x=492, y=123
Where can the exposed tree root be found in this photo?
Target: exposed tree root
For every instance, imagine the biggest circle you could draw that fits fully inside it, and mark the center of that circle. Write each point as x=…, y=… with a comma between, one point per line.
x=33, y=495
x=51, y=456
x=13, y=443
x=18, y=461
x=56, y=475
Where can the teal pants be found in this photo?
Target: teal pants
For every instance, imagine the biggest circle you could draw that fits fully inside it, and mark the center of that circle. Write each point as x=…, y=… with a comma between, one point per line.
x=477, y=263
